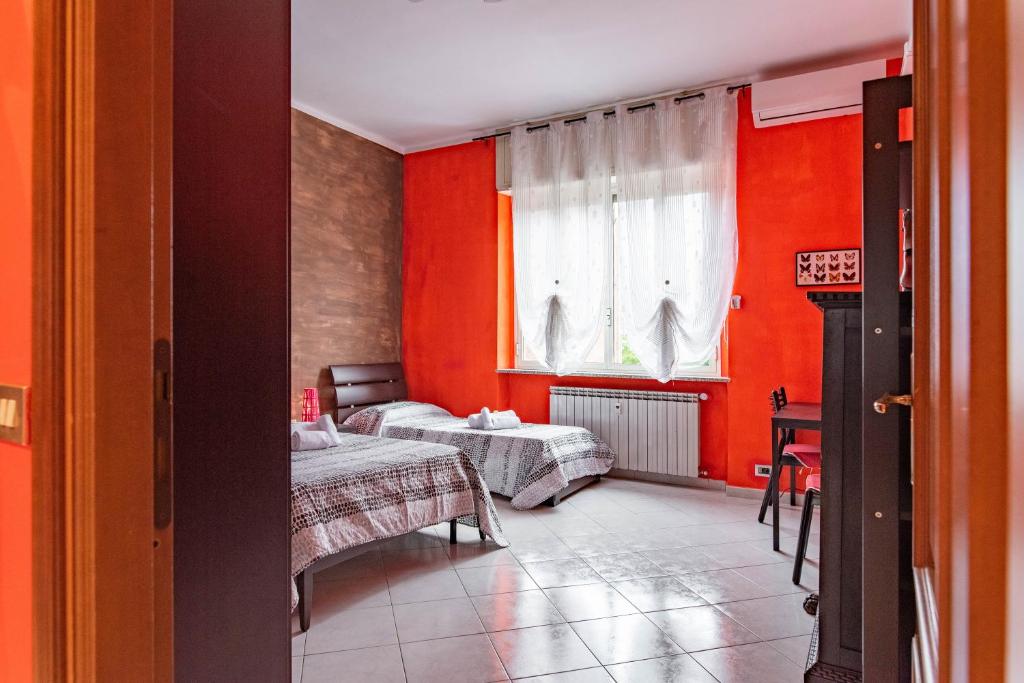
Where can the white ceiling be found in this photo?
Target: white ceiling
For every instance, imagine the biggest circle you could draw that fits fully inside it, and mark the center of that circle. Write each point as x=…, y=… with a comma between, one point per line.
x=415, y=75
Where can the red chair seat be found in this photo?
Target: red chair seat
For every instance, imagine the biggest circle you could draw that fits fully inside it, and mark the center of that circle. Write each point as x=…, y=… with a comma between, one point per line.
x=809, y=455
x=813, y=481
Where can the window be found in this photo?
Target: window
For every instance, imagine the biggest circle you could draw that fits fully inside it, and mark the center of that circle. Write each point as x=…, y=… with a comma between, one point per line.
x=611, y=354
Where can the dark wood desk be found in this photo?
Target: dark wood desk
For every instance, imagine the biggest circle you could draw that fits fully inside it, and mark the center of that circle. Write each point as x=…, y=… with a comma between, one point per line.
x=792, y=416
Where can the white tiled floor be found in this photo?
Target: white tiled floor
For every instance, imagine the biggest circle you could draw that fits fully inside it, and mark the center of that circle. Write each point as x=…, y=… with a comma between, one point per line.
x=625, y=581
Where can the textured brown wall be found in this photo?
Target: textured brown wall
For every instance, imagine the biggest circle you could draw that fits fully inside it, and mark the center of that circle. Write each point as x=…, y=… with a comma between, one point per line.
x=346, y=252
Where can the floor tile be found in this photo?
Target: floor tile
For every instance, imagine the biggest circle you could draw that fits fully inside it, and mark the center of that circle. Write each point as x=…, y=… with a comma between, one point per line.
x=594, y=601
x=658, y=593
x=599, y=544
x=542, y=650
x=781, y=616
x=526, y=528
x=506, y=611
x=629, y=522
x=423, y=587
x=465, y=659
x=701, y=628
x=794, y=649
x=756, y=662
x=541, y=549
x=465, y=555
x=594, y=504
x=581, y=525
x=416, y=539
x=298, y=644
x=682, y=560
x=296, y=669
x=778, y=578
x=466, y=534
x=787, y=548
x=378, y=664
x=415, y=560
x=554, y=573
x=351, y=629
x=723, y=585
x=625, y=639
x=595, y=675
x=740, y=554
x=677, y=669
x=705, y=534
x=336, y=596
x=624, y=566
x=496, y=579
x=439, y=619
x=367, y=564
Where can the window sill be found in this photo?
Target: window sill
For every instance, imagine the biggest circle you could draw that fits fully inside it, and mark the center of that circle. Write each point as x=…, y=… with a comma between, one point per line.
x=612, y=375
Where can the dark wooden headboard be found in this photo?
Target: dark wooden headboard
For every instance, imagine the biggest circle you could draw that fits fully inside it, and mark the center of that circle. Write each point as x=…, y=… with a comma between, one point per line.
x=359, y=386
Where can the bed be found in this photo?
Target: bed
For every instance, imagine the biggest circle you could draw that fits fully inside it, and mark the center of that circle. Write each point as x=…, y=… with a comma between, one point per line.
x=352, y=497
x=534, y=464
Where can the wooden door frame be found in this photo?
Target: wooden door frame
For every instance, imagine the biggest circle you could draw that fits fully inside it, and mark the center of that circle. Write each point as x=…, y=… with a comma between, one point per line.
x=962, y=415
x=101, y=294
x=1015, y=287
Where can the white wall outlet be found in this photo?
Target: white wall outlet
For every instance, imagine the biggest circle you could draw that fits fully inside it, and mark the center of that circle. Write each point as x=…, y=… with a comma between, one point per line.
x=762, y=470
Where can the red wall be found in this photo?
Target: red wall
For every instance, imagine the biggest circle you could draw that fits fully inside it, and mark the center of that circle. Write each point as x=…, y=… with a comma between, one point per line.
x=450, y=277
x=798, y=188
x=15, y=332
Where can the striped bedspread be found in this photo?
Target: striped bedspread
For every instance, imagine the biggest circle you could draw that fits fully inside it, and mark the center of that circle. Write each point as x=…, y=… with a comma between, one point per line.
x=370, y=488
x=528, y=464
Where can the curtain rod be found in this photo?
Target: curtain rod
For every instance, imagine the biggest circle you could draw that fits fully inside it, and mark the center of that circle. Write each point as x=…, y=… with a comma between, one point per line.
x=650, y=105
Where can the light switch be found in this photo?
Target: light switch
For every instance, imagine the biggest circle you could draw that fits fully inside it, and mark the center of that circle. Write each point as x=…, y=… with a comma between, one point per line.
x=13, y=405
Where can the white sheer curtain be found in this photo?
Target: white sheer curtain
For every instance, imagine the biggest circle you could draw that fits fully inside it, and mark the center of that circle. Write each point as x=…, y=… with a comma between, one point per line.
x=561, y=213
x=675, y=167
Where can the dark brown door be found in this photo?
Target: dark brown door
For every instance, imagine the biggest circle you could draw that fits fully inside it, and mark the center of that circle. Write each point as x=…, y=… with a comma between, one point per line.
x=887, y=576
x=231, y=340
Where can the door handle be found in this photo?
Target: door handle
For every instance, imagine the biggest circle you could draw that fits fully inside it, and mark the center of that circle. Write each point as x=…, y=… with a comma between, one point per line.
x=883, y=402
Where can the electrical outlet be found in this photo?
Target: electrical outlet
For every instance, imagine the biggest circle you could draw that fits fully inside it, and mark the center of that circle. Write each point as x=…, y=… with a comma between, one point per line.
x=762, y=470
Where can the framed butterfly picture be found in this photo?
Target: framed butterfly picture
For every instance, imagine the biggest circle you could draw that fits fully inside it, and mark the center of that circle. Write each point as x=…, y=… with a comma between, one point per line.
x=823, y=268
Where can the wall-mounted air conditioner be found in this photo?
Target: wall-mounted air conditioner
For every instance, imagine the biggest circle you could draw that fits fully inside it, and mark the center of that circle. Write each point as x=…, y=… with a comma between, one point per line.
x=816, y=95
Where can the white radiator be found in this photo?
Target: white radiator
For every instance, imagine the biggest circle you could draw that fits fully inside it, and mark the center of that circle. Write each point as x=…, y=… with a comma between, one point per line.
x=649, y=431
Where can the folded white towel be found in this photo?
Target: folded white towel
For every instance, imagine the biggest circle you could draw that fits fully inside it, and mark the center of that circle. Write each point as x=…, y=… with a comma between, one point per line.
x=304, y=426
x=481, y=420
x=508, y=420
x=311, y=440
x=485, y=419
x=326, y=424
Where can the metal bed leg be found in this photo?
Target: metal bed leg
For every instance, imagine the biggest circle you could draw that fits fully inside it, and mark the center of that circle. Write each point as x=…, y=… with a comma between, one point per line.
x=483, y=536
x=305, y=587
x=453, y=532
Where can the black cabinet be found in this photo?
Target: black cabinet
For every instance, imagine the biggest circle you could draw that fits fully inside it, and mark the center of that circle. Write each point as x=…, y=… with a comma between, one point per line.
x=836, y=646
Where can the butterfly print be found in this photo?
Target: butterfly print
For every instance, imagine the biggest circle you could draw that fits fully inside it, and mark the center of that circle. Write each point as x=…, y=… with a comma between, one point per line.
x=805, y=269
x=820, y=268
x=805, y=258
x=819, y=278
x=849, y=277
x=833, y=266
x=833, y=277
x=851, y=255
x=834, y=257
x=849, y=265
x=819, y=257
